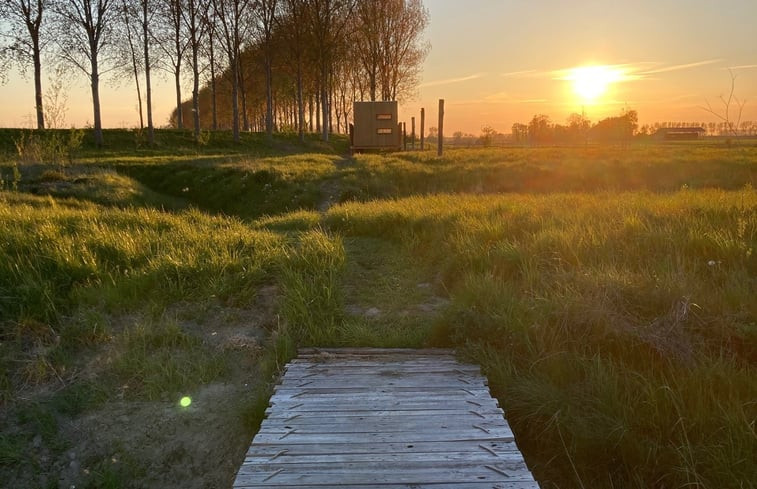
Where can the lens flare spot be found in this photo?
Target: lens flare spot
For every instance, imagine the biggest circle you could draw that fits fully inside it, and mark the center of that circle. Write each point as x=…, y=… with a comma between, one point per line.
x=185, y=401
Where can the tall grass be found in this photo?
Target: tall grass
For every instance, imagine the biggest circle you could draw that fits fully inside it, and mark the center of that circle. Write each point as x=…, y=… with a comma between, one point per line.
x=618, y=329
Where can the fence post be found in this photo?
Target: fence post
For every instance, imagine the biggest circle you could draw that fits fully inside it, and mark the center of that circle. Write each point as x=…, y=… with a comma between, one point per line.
x=440, y=142
x=412, y=133
x=423, y=124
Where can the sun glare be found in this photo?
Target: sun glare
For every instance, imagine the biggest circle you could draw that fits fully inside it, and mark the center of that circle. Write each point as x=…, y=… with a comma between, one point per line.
x=591, y=82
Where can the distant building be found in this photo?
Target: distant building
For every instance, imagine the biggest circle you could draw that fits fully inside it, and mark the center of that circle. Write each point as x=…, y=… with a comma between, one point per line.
x=680, y=133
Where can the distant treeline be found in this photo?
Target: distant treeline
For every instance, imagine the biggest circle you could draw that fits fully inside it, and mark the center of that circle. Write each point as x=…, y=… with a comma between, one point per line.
x=580, y=130
x=252, y=64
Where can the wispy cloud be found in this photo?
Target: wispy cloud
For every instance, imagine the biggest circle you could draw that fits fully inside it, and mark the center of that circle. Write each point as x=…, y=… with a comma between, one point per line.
x=665, y=69
x=741, y=67
x=519, y=74
x=451, y=80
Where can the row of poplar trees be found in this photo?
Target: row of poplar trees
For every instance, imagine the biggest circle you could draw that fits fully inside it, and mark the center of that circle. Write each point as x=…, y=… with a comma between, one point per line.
x=271, y=64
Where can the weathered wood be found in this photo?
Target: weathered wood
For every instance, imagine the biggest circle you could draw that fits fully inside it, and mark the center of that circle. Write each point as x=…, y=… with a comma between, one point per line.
x=360, y=418
x=377, y=485
x=440, y=142
x=497, y=447
x=423, y=127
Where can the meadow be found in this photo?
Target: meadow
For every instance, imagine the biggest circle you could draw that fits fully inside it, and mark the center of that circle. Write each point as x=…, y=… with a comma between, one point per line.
x=607, y=293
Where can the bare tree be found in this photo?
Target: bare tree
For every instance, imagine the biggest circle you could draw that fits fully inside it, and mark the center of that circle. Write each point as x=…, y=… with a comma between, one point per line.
x=209, y=52
x=233, y=23
x=56, y=99
x=266, y=12
x=22, y=29
x=292, y=26
x=730, y=103
x=173, y=45
x=84, y=29
x=192, y=14
x=130, y=32
x=327, y=20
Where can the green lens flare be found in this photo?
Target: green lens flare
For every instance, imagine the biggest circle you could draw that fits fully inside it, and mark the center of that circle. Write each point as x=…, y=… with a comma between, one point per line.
x=185, y=401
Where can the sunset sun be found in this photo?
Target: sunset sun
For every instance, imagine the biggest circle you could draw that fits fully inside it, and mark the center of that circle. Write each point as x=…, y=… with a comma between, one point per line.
x=590, y=83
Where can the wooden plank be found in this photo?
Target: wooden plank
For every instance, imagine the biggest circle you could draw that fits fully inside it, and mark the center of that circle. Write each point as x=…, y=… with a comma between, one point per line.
x=331, y=370
x=399, y=394
x=412, y=418
x=284, y=456
x=382, y=475
x=366, y=426
x=342, y=352
x=503, y=434
x=297, y=405
x=398, y=380
x=293, y=449
x=372, y=485
x=316, y=417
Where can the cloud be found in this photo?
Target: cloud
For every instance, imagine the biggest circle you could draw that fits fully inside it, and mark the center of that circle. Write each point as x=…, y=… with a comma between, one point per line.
x=686, y=66
x=519, y=74
x=741, y=67
x=451, y=80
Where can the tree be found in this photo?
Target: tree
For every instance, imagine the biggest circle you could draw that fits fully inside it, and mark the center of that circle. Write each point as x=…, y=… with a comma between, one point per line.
x=388, y=40
x=520, y=132
x=130, y=33
x=540, y=129
x=173, y=44
x=616, y=129
x=233, y=25
x=22, y=30
x=192, y=14
x=326, y=20
x=578, y=128
x=487, y=134
x=292, y=27
x=209, y=48
x=730, y=104
x=83, y=33
x=266, y=12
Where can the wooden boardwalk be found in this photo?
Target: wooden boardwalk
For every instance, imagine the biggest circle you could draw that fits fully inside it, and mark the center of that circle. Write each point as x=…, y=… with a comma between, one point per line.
x=389, y=419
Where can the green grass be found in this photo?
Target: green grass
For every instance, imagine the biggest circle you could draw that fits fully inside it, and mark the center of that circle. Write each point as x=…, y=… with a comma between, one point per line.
x=607, y=293
x=612, y=342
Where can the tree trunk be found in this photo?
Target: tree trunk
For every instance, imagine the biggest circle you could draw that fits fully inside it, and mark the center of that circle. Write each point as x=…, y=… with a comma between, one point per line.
x=95, y=84
x=38, y=85
x=318, y=109
x=269, y=95
x=300, y=103
x=195, y=91
x=213, y=101
x=235, y=101
x=310, y=111
x=179, y=115
x=148, y=83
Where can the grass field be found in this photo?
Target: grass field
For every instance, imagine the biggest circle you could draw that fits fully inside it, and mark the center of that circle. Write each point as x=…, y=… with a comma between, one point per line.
x=607, y=293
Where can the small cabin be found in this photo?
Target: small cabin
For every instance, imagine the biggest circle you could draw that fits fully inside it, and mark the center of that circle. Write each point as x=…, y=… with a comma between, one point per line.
x=680, y=133
x=376, y=126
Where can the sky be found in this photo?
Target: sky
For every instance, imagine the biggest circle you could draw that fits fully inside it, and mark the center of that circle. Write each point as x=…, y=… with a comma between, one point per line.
x=498, y=62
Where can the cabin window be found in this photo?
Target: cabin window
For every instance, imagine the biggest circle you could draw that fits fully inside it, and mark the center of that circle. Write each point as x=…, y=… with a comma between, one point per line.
x=384, y=130
x=383, y=117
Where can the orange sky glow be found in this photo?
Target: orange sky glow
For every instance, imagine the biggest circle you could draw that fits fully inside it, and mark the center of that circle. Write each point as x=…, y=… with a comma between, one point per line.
x=496, y=63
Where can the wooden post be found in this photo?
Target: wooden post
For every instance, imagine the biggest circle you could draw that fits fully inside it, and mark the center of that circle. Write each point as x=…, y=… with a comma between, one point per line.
x=412, y=133
x=440, y=143
x=423, y=126
x=404, y=136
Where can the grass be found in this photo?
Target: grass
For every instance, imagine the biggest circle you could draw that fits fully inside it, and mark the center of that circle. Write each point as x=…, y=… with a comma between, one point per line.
x=608, y=294
x=604, y=322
